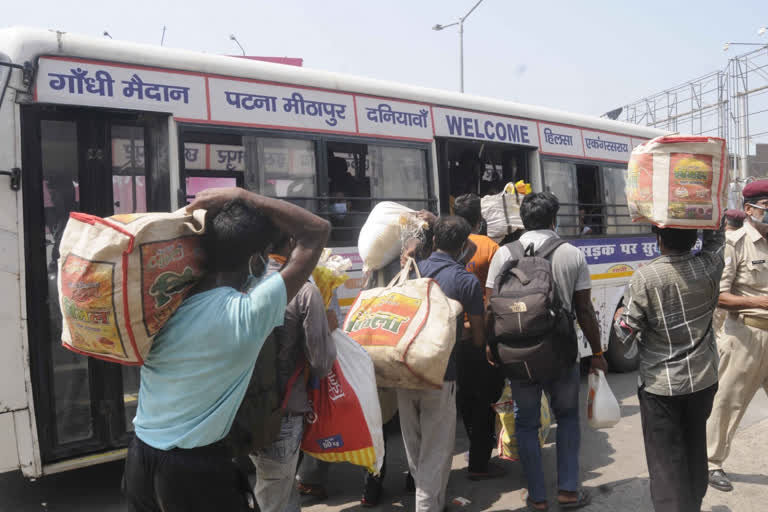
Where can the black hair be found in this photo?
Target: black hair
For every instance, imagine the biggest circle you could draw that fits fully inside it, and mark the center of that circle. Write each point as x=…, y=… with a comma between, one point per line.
x=468, y=207
x=539, y=210
x=680, y=240
x=451, y=233
x=235, y=233
x=734, y=222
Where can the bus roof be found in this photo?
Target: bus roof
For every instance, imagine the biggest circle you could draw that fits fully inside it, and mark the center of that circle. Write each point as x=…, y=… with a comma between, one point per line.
x=27, y=44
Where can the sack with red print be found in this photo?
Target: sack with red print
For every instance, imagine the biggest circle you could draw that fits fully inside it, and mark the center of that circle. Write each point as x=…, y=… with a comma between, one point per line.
x=121, y=278
x=345, y=422
x=678, y=182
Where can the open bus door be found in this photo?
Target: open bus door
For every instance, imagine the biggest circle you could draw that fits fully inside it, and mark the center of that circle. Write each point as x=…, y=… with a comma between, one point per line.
x=101, y=163
x=482, y=168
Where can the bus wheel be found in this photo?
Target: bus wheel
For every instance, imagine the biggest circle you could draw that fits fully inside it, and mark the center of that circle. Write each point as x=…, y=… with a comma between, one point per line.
x=617, y=362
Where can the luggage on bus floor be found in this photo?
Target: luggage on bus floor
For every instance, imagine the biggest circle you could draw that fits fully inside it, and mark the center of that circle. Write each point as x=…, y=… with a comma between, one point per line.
x=121, y=278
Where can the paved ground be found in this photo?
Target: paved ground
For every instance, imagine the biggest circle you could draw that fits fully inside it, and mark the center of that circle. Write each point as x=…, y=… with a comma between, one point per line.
x=613, y=466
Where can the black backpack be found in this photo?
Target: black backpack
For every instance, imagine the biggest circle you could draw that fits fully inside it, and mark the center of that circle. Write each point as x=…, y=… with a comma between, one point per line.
x=259, y=418
x=533, y=336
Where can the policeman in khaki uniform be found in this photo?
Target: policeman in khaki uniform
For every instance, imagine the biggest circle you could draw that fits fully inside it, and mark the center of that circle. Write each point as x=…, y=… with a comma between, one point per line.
x=743, y=341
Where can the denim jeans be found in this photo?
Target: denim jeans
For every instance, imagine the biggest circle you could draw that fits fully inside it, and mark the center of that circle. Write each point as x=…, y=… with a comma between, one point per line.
x=564, y=400
x=275, y=489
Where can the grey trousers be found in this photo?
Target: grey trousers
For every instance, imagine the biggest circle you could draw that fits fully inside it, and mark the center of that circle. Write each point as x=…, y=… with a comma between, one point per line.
x=275, y=489
x=428, y=424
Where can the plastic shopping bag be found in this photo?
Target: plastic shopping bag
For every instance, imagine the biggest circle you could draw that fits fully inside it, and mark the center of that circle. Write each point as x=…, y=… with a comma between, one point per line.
x=345, y=422
x=330, y=273
x=602, y=407
x=505, y=408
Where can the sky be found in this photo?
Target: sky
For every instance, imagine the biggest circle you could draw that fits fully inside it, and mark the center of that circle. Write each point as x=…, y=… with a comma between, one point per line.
x=586, y=56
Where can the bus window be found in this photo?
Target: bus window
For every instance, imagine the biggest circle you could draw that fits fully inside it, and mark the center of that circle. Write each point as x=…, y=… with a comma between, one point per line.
x=617, y=217
x=349, y=189
x=284, y=168
x=399, y=173
x=560, y=178
x=129, y=192
x=212, y=161
x=590, y=213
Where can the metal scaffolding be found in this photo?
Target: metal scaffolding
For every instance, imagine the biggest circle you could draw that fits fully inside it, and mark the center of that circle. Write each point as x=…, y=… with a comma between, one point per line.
x=731, y=103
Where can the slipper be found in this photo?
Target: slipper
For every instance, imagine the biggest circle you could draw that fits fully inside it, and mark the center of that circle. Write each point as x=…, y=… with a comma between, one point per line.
x=530, y=504
x=316, y=491
x=583, y=498
x=494, y=471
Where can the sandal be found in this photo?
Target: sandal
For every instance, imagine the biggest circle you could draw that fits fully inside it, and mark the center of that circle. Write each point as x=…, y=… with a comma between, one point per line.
x=583, y=498
x=316, y=491
x=531, y=505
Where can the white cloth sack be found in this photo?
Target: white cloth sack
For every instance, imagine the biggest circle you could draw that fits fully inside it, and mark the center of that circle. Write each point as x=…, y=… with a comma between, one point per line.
x=502, y=212
x=408, y=328
x=679, y=182
x=121, y=278
x=380, y=241
x=602, y=407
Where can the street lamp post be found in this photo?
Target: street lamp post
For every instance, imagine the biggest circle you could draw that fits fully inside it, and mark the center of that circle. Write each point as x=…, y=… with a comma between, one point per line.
x=460, y=23
x=727, y=46
x=233, y=38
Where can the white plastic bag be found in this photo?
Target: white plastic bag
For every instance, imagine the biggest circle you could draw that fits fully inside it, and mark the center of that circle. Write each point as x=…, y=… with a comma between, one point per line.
x=379, y=242
x=502, y=212
x=602, y=407
x=345, y=423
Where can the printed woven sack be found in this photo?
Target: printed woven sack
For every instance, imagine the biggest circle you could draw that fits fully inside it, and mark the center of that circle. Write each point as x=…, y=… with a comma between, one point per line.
x=409, y=329
x=122, y=277
x=678, y=182
x=505, y=408
x=345, y=422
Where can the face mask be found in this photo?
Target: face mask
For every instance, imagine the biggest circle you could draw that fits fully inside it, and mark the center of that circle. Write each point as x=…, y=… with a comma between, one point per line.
x=263, y=266
x=339, y=207
x=760, y=220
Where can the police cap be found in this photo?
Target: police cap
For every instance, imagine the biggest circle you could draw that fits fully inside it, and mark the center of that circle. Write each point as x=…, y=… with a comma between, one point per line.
x=755, y=191
x=735, y=214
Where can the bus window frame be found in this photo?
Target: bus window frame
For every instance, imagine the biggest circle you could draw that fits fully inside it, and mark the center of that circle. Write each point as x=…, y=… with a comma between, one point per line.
x=600, y=164
x=321, y=142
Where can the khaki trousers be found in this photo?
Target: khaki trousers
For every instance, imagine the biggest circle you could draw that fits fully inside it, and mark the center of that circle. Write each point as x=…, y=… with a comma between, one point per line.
x=742, y=371
x=428, y=424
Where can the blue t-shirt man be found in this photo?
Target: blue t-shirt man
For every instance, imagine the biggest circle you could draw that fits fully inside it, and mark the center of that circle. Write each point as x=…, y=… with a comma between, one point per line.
x=198, y=369
x=457, y=284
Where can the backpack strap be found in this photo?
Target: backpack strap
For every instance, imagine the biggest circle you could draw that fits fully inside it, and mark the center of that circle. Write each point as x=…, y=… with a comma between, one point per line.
x=549, y=247
x=516, y=252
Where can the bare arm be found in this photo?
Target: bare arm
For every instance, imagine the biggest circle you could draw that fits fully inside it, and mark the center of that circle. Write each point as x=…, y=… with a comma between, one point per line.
x=585, y=315
x=731, y=302
x=477, y=327
x=310, y=231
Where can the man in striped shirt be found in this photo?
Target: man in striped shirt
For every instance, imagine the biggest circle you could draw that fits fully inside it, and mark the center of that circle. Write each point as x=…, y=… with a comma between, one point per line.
x=668, y=318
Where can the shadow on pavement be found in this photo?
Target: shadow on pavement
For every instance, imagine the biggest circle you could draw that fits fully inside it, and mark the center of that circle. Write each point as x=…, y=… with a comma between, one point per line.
x=92, y=488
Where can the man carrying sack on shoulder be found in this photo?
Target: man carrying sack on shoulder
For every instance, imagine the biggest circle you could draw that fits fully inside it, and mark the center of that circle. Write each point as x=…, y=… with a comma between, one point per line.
x=428, y=417
x=668, y=317
x=743, y=340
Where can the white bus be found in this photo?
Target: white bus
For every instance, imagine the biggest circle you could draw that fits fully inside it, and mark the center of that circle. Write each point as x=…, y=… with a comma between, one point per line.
x=109, y=127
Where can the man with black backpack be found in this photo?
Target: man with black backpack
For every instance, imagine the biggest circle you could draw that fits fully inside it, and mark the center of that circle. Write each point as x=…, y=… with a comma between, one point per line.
x=535, y=286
